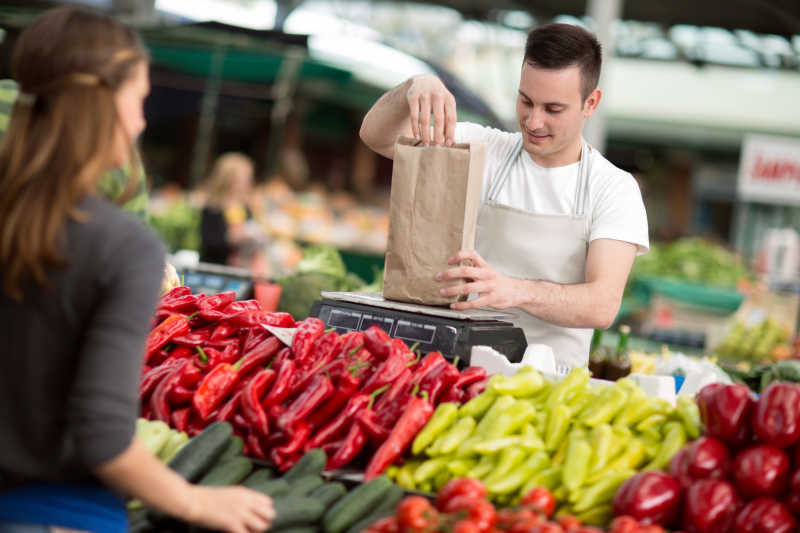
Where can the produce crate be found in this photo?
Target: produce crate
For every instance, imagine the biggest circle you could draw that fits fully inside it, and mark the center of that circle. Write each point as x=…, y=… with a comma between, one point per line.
x=715, y=300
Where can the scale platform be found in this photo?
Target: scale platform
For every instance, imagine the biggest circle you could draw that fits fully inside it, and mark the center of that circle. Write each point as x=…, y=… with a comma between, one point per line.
x=453, y=333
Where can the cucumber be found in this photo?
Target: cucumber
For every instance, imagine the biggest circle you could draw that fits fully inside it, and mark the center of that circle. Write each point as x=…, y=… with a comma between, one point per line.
x=294, y=511
x=258, y=477
x=228, y=472
x=197, y=456
x=385, y=508
x=313, y=462
x=304, y=485
x=297, y=529
x=272, y=487
x=176, y=441
x=328, y=494
x=234, y=449
x=355, y=505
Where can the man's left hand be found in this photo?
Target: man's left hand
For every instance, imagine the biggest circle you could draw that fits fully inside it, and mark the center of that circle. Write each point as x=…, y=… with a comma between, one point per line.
x=493, y=289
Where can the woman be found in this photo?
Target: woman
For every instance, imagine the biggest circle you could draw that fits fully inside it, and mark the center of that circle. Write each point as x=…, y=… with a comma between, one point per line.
x=80, y=280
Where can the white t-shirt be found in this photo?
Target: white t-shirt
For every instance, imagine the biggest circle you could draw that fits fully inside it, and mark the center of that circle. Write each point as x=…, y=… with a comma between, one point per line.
x=614, y=207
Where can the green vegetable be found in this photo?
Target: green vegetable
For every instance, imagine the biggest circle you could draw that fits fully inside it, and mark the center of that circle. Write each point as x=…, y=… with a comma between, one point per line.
x=295, y=511
x=601, y=492
x=355, y=505
x=235, y=448
x=312, y=463
x=382, y=510
x=456, y=435
x=197, y=456
x=576, y=465
x=304, y=485
x=177, y=440
x=271, y=487
x=228, y=472
x=674, y=440
x=689, y=414
x=444, y=415
x=329, y=493
x=258, y=477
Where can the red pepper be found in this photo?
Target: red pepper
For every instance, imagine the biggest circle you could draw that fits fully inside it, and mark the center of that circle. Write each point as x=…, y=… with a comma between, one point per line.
x=454, y=395
x=195, y=426
x=210, y=315
x=764, y=515
x=251, y=337
x=319, y=390
x=414, y=418
x=252, y=319
x=378, y=342
x=242, y=305
x=476, y=389
x=216, y=385
x=285, y=354
x=180, y=418
x=344, y=389
x=352, y=444
x=197, y=337
x=223, y=331
x=278, y=460
x=711, y=507
x=376, y=432
x=154, y=377
x=260, y=355
x=280, y=389
x=442, y=377
x=352, y=341
x=479, y=511
x=703, y=458
x=182, y=304
x=650, y=497
x=225, y=344
x=391, y=405
x=337, y=426
x=177, y=292
x=776, y=418
x=230, y=407
x=159, y=358
x=239, y=421
x=230, y=354
x=460, y=487
x=386, y=373
x=793, y=500
x=254, y=445
x=159, y=401
x=726, y=411
x=170, y=328
x=251, y=401
x=470, y=375
x=300, y=433
x=216, y=302
x=322, y=354
x=180, y=395
x=761, y=470
x=308, y=331
x=181, y=352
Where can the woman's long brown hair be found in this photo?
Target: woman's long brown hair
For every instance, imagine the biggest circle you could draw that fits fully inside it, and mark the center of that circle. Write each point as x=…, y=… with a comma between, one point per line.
x=68, y=63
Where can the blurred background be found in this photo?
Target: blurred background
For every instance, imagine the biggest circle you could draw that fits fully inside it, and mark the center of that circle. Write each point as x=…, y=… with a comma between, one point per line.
x=700, y=104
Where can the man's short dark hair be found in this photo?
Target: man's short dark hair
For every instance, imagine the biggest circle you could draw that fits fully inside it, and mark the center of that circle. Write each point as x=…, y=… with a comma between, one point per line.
x=557, y=46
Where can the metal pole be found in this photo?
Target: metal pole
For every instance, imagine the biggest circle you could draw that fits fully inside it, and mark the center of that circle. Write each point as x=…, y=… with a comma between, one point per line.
x=208, y=115
x=604, y=13
x=283, y=92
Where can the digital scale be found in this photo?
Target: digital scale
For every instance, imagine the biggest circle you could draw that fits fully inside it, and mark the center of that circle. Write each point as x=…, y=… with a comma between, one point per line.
x=208, y=278
x=453, y=333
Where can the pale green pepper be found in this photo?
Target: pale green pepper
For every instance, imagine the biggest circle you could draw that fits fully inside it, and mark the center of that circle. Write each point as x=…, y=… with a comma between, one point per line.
x=521, y=413
x=608, y=403
x=674, y=440
x=518, y=441
x=576, y=380
x=442, y=418
x=638, y=408
x=524, y=383
x=601, y=492
x=689, y=414
x=652, y=421
x=481, y=403
x=405, y=476
x=460, y=467
x=630, y=459
x=558, y=422
x=457, y=434
x=576, y=465
x=535, y=463
x=529, y=431
x=550, y=478
x=652, y=443
x=602, y=439
x=509, y=459
x=441, y=480
x=622, y=436
x=484, y=467
x=428, y=469
x=597, y=516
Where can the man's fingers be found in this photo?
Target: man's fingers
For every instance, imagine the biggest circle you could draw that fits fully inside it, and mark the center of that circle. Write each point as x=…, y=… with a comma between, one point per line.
x=464, y=272
x=438, y=119
x=483, y=301
x=478, y=287
x=450, y=120
x=468, y=255
x=413, y=111
x=425, y=118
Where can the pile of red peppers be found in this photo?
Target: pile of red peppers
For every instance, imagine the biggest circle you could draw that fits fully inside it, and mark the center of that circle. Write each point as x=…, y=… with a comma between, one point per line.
x=743, y=476
x=208, y=358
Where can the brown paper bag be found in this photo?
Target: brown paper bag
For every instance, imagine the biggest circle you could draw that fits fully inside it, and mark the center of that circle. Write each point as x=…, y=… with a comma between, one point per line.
x=434, y=210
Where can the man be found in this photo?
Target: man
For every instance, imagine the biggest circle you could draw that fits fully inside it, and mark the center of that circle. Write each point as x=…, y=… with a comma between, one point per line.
x=559, y=226
x=114, y=185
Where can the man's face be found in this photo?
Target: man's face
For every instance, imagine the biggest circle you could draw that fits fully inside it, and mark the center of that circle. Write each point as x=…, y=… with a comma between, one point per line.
x=551, y=112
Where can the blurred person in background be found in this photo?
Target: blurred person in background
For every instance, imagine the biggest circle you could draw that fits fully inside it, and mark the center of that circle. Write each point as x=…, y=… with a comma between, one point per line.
x=229, y=233
x=80, y=279
x=559, y=225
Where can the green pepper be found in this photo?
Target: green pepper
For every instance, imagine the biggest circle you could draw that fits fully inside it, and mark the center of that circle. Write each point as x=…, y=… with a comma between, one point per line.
x=622, y=436
x=652, y=443
x=608, y=403
x=529, y=431
x=674, y=440
x=652, y=421
x=461, y=430
x=509, y=459
x=442, y=418
x=524, y=383
x=597, y=516
x=518, y=441
x=630, y=459
x=602, y=439
x=500, y=426
x=481, y=403
x=405, y=476
x=558, y=422
x=601, y=492
x=549, y=478
x=483, y=468
x=581, y=400
x=560, y=455
x=689, y=414
x=441, y=480
x=521, y=414
x=576, y=465
x=428, y=469
x=638, y=408
x=535, y=463
x=460, y=467
x=576, y=380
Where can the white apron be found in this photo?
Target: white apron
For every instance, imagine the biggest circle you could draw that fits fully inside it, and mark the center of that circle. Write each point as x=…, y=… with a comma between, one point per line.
x=539, y=246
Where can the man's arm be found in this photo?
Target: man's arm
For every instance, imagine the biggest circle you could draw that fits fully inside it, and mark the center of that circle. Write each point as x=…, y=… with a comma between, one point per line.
x=407, y=110
x=593, y=304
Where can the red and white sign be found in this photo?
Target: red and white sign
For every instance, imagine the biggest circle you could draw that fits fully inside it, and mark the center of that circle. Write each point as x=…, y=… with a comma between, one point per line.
x=769, y=170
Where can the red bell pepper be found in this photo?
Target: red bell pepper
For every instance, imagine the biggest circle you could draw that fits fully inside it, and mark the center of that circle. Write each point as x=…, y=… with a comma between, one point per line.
x=181, y=352
x=470, y=375
x=173, y=326
x=154, y=377
x=378, y=342
x=214, y=388
x=428, y=363
x=308, y=331
x=650, y=497
x=414, y=418
x=251, y=400
x=776, y=418
x=159, y=400
x=352, y=342
x=180, y=418
x=223, y=331
x=442, y=377
x=703, y=458
x=281, y=387
x=254, y=319
x=764, y=515
x=793, y=500
x=216, y=302
x=761, y=470
x=338, y=425
x=319, y=390
x=350, y=447
x=726, y=411
x=711, y=507
x=476, y=389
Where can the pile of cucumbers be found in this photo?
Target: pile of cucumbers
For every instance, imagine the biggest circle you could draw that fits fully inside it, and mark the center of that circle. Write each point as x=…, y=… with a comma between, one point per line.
x=304, y=502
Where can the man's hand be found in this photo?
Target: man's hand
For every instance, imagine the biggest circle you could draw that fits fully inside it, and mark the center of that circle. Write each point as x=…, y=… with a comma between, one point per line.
x=493, y=289
x=428, y=96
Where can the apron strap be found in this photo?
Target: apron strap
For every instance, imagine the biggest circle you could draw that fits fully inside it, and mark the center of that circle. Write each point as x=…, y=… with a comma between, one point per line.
x=584, y=169
x=505, y=170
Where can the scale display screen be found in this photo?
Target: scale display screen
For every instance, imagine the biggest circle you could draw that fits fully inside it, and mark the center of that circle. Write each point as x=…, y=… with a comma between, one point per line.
x=212, y=283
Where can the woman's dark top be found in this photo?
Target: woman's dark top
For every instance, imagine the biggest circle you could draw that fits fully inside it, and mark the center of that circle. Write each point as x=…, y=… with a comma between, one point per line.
x=214, y=247
x=71, y=354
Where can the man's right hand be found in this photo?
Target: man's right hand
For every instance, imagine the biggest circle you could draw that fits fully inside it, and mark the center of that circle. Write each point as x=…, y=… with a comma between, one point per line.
x=428, y=96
